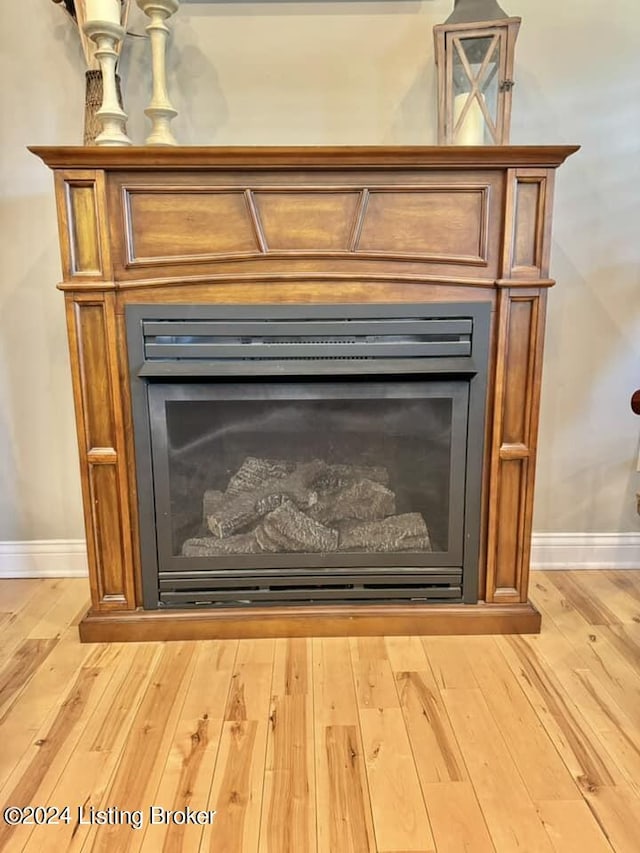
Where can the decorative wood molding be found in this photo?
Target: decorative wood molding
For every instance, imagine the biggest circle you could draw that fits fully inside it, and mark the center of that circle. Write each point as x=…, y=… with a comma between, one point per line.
x=95, y=376
x=445, y=224
x=513, y=451
x=528, y=233
x=84, y=243
x=316, y=621
x=294, y=157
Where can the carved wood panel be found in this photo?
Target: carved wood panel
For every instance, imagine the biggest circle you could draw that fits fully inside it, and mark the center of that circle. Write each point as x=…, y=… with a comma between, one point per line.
x=91, y=327
x=528, y=234
x=84, y=245
x=513, y=450
x=445, y=224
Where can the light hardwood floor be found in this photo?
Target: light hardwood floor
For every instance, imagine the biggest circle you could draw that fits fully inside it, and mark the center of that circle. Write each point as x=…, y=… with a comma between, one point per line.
x=480, y=744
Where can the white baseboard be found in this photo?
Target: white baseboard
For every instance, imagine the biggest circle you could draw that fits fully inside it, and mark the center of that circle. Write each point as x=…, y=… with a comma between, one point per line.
x=46, y=558
x=551, y=551
x=57, y=558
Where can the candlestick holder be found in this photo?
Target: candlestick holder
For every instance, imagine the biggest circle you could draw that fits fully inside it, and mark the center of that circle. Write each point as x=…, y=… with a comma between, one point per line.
x=160, y=109
x=113, y=118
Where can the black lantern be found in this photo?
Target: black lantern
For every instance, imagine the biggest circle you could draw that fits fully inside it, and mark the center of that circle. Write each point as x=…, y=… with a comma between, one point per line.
x=475, y=50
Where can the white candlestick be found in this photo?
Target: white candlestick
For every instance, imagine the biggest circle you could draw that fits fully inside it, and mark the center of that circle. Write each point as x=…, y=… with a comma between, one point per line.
x=108, y=11
x=113, y=118
x=472, y=130
x=160, y=110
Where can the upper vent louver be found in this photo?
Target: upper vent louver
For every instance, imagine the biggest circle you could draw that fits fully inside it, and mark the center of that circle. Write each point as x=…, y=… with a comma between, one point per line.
x=247, y=343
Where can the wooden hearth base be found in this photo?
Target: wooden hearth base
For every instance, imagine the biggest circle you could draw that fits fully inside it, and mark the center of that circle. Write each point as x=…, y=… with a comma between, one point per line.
x=320, y=621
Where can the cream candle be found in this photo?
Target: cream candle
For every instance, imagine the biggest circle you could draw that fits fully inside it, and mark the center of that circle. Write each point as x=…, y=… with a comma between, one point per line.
x=108, y=11
x=472, y=130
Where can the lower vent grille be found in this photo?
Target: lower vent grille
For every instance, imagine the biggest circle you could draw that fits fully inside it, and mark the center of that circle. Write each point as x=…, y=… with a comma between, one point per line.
x=194, y=590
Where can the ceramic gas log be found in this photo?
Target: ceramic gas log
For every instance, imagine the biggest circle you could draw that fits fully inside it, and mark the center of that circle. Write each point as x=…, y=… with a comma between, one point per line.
x=338, y=509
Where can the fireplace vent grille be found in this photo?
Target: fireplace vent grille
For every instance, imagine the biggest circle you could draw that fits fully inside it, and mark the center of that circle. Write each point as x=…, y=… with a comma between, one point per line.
x=203, y=589
x=234, y=340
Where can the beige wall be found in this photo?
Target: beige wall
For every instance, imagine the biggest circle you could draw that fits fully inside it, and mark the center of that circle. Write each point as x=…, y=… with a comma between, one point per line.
x=342, y=72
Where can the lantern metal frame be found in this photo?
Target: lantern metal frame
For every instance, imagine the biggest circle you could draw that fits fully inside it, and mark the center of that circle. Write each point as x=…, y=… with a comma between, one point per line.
x=503, y=32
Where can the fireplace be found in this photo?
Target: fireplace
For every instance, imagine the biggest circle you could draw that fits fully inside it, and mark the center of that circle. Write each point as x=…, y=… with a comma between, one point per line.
x=309, y=453
x=307, y=384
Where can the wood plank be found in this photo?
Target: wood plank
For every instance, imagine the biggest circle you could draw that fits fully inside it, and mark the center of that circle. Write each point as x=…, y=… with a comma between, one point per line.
x=592, y=609
x=69, y=608
x=617, y=810
x=399, y=815
x=406, y=654
x=343, y=787
x=435, y=748
x=24, y=619
x=288, y=817
x=21, y=666
x=617, y=675
x=448, y=661
x=629, y=582
x=625, y=639
x=602, y=586
x=16, y=592
x=572, y=827
x=86, y=778
x=456, y=818
x=375, y=685
x=616, y=732
x=139, y=770
x=368, y=648
x=186, y=777
x=34, y=778
x=289, y=812
x=509, y=812
x=581, y=750
x=544, y=774
x=344, y=820
x=43, y=694
x=237, y=788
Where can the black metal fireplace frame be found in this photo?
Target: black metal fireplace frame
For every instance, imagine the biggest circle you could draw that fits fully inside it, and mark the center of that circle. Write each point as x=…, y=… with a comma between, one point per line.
x=189, y=343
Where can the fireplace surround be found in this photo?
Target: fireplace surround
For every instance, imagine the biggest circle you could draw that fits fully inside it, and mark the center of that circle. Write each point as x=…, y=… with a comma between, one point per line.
x=308, y=453
x=306, y=385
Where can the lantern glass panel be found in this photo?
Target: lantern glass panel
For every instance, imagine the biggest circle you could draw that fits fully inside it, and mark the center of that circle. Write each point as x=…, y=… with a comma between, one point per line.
x=476, y=63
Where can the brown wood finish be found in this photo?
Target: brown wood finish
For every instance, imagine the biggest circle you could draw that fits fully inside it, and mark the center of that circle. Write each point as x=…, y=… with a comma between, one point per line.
x=427, y=223
x=506, y=743
x=198, y=158
x=287, y=225
x=517, y=389
x=95, y=374
x=317, y=621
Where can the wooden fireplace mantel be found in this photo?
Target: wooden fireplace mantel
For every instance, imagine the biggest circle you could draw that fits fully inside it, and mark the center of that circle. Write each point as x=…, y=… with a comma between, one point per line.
x=303, y=225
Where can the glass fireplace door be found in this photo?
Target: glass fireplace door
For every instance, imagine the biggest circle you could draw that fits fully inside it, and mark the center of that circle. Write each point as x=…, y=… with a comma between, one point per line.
x=306, y=476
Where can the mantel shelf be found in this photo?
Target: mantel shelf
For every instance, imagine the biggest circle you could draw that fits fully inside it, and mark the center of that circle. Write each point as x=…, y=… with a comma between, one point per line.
x=294, y=157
